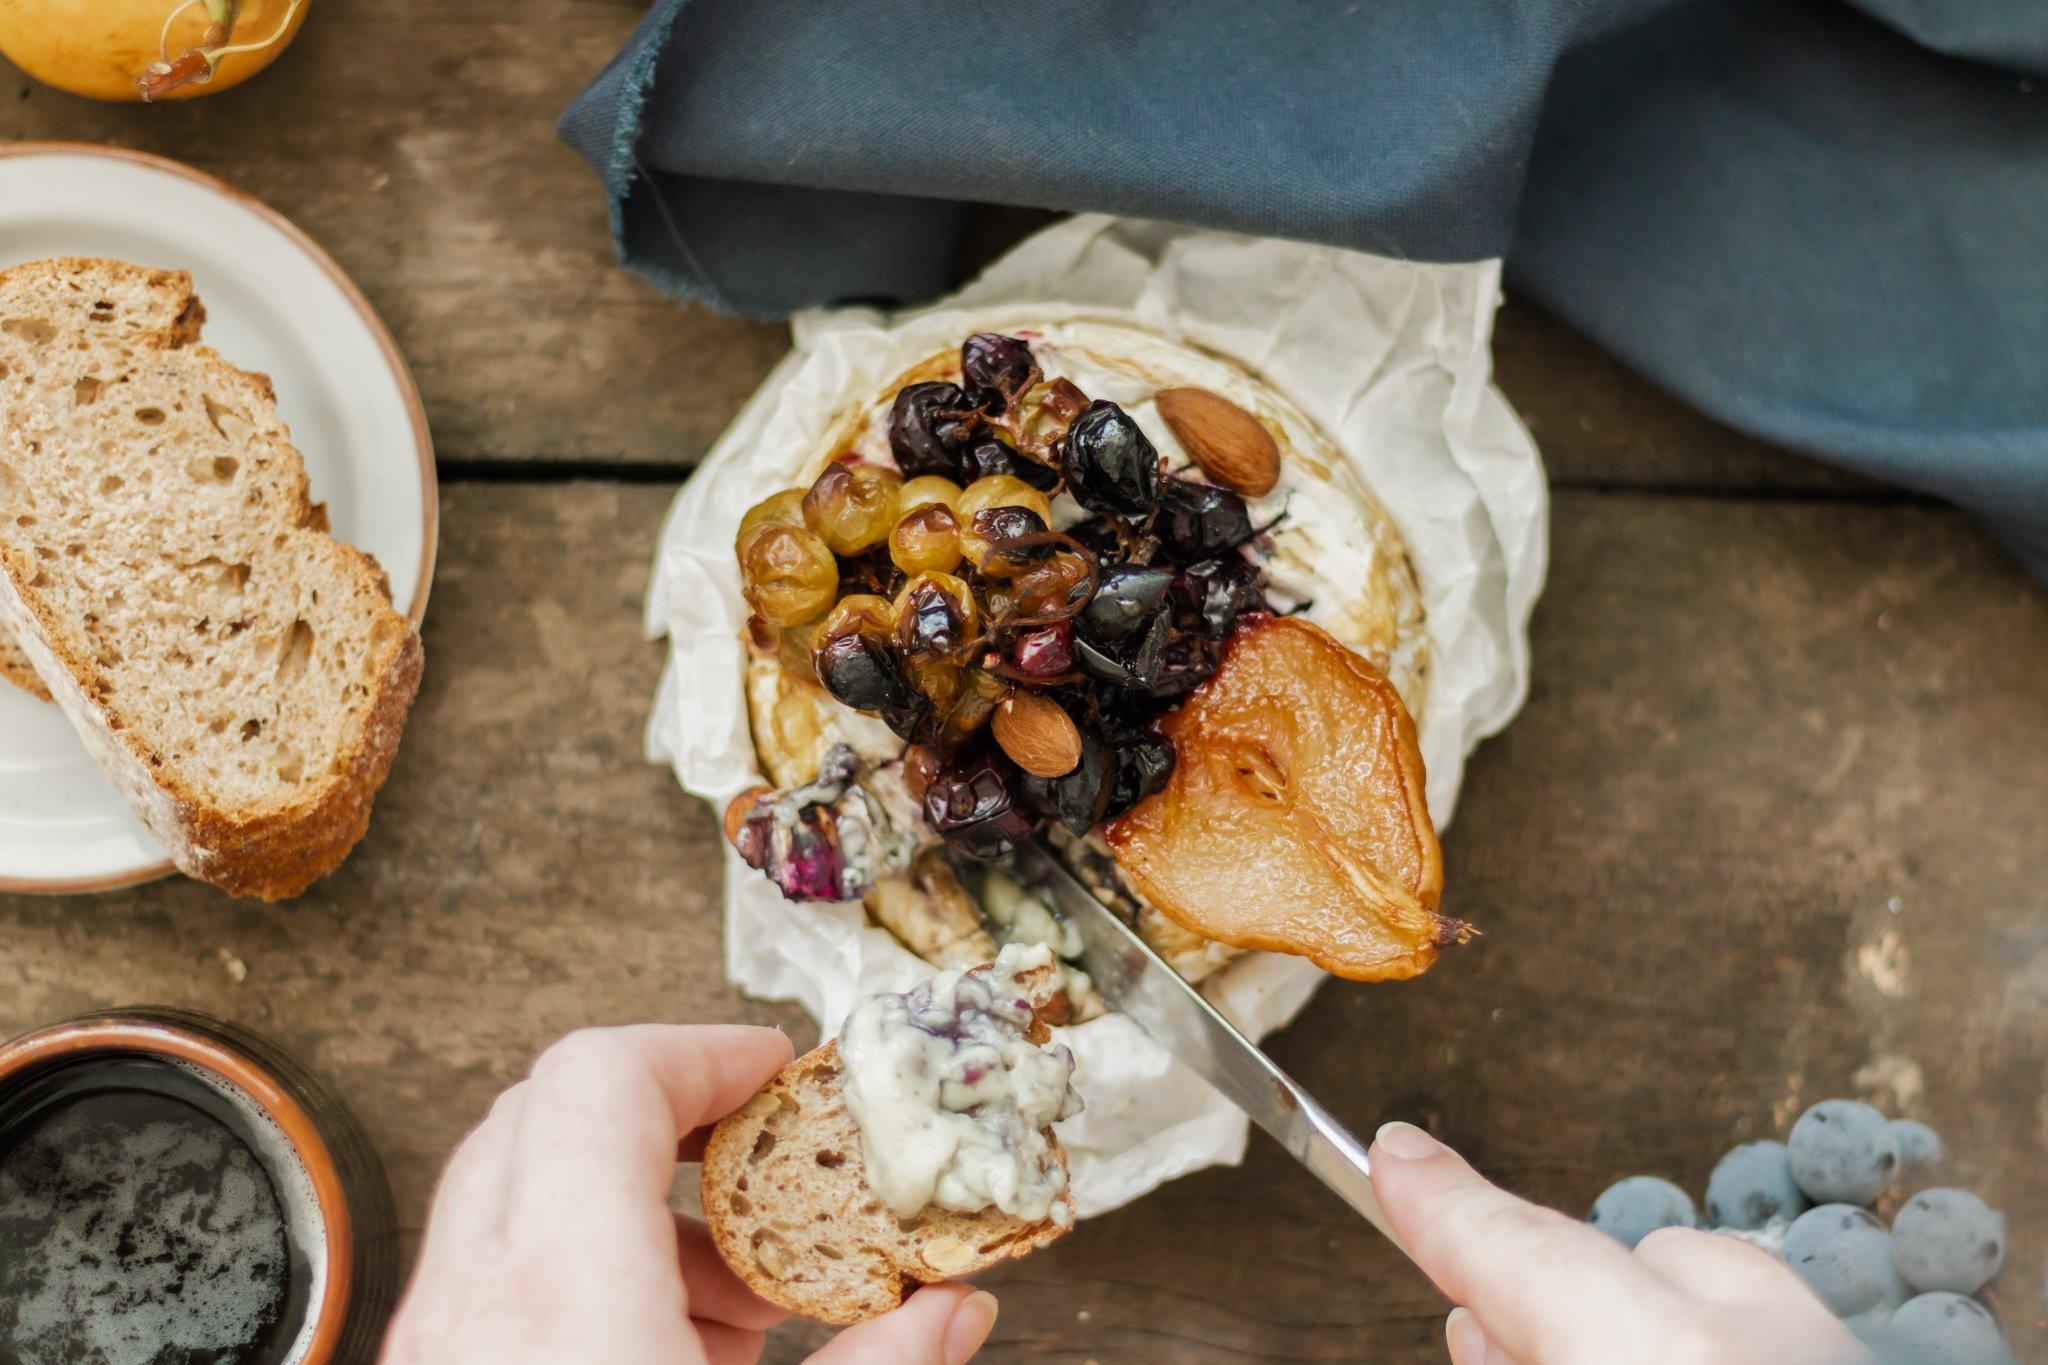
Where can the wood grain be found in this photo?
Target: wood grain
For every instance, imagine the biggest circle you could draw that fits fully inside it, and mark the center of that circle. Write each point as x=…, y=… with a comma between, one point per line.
x=1768, y=831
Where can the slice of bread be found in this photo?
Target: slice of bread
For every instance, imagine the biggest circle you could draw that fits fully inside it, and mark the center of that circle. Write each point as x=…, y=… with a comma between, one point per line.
x=786, y=1197
x=240, y=675
x=16, y=669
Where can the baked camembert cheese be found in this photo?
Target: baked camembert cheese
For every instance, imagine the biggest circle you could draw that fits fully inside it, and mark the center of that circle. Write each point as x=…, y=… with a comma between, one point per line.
x=1082, y=581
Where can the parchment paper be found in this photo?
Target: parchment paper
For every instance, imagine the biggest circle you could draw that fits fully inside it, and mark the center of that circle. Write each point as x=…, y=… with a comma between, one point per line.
x=1389, y=358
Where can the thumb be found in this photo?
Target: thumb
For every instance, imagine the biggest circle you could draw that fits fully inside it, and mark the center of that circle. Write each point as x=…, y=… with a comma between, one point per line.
x=1542, y=1286
x=942, y=1324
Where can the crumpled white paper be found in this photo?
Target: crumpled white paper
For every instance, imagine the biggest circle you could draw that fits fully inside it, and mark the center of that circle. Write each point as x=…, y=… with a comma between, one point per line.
x=1389, y=358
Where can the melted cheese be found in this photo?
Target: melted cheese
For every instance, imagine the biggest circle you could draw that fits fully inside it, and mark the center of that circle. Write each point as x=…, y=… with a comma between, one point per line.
x=953, y=1098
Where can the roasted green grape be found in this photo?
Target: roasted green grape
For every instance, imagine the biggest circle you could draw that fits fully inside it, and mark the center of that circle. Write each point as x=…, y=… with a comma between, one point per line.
x=857, y=613
x=790, y=574
x=997, y=490
x=936, y=617
x=852, y=506
x=927, y=540
x=926, y=489
x=778, y=509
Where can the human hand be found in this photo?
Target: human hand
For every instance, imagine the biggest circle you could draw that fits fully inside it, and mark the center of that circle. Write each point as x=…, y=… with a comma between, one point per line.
x=551, y=1239
x=1537, y=1288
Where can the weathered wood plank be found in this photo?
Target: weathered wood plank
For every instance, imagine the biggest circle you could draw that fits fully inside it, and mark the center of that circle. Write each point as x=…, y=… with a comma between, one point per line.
x=416, y=142
x=1769, y=830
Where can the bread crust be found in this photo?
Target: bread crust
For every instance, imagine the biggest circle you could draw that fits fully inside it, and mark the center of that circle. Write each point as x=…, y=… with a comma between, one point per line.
x=272, y=853
x=16, y=669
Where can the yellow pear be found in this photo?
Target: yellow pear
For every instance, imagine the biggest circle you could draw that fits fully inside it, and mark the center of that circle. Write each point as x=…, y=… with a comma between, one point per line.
x=99, y=48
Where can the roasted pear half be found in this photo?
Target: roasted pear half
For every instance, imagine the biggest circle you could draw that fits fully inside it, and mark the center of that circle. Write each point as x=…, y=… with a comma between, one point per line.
x=1295, y=819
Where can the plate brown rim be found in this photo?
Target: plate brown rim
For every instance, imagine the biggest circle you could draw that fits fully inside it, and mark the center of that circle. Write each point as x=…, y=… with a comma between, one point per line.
x=401, y=373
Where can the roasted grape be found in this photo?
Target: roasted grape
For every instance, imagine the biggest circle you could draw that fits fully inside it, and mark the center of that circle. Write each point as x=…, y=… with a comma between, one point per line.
x=777, y=509
x=1216, y=592
x=853, y=506
x=924, y=490
x=1044, y=653
x=927, y=540
x=861, y=671
x=1080, y=799
x=1142, y=768
x=855, y=613
x=1002, y=365
x=1060, y=581
x=1111, y=467
x=790, y=574
x=1125, y=601
x=959, y=700
x=936, y=617
x=993, y=531
x=1133, y=662
x=998, y=490
x=958, y=592
x=975, y=809
x=990, y=456
x=1197, y=520
x=929, y=425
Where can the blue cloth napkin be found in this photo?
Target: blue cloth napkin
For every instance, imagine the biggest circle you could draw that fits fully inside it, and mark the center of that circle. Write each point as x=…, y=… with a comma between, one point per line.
x=1823, y=223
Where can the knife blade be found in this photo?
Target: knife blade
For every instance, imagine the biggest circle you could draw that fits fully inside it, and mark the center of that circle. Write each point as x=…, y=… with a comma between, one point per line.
x=1137, y=983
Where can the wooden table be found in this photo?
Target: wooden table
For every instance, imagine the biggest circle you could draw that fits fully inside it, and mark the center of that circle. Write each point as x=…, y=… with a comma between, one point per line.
x=1773, y=827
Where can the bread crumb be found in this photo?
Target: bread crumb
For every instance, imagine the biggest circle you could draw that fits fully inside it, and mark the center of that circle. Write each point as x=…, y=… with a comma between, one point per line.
x=237, y=970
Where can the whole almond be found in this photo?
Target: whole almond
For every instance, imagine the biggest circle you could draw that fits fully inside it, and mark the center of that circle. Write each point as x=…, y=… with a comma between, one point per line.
x=1232, y=446
x=1037, y=734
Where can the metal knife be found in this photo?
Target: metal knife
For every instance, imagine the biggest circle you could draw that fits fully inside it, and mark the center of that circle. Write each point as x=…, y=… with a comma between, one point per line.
x=1136, y=982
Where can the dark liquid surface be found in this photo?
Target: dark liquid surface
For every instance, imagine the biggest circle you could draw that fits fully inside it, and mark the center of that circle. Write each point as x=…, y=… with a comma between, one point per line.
x=139, y=1225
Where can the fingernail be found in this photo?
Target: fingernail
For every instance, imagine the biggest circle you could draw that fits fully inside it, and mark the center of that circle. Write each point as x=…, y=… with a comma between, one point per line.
x=969, y=1326
x=1465, y=1337
x=1405, y=1142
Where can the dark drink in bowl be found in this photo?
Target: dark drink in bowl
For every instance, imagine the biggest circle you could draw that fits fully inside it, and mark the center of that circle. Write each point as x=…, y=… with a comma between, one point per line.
x=176, y=1192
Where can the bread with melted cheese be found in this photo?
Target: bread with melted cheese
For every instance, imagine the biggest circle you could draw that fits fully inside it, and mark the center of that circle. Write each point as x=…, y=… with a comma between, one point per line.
x=787, y=1201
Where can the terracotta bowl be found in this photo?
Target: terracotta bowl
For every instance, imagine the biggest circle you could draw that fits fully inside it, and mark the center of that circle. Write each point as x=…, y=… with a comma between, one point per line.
x=352, y=1305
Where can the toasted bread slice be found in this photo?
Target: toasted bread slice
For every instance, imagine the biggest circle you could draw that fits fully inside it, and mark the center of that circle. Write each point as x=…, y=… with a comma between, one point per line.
x=241, y=676
x=786, y=1197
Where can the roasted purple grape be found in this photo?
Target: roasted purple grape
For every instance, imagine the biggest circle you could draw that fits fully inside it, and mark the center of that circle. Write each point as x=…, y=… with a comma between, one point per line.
x=989, y=456
x=1080, y=799
x=1110, y=466
x=1141, y=770
x=1134, y=662
x=973, y=806
x=1216, y=592
x=1002, y=365
x=1044, y=653
x=1197, y=520
x=929, y=425
x=1126, y=599
x=862, y=672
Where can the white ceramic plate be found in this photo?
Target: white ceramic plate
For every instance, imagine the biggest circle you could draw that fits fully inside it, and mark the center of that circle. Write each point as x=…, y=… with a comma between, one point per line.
x=275, y=303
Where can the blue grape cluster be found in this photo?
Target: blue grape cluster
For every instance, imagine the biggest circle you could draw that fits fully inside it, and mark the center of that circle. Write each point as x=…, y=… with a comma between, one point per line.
x=1906, y=1290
